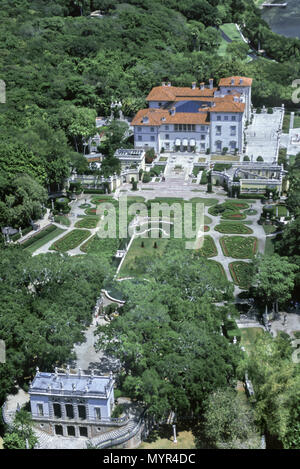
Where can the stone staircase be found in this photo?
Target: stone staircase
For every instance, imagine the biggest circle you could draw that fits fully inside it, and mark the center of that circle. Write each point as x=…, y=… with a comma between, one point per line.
x=118, y=436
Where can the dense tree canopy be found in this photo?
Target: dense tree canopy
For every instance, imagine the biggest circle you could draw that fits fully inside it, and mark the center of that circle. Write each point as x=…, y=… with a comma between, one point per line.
x=276, y=381
x=46, y=302
x=168, y=337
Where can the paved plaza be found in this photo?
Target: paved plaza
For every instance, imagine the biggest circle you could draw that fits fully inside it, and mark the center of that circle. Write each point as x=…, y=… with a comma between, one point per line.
x=263, y=136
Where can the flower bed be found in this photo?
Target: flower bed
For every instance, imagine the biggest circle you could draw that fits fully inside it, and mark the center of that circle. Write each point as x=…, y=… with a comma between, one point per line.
x=241, y=273
x=233, y=228
x=71, y=240
x=218, y=268
x=229, y=210
x=239, y=247
x=208, y=249
x=91, y=211
x=88, y=222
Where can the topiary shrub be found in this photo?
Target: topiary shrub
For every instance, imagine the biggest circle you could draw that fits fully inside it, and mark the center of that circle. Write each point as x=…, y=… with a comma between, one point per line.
x=209, y=187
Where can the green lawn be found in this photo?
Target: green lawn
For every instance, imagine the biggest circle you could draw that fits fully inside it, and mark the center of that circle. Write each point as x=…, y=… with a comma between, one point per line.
x=163, y=439
x=286, y=123
x=71, y=240
x=269, y=229
x=269, y=247
x=132, y=265
x=282, y=210
x=42, y=241
x=239, y=247
x=62, y=220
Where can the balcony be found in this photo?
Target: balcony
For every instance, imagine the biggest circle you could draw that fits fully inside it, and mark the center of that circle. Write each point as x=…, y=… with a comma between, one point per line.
x=64, y=419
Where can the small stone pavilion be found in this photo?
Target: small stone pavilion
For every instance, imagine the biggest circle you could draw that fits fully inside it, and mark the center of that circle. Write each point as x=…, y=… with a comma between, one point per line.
x=74, y=405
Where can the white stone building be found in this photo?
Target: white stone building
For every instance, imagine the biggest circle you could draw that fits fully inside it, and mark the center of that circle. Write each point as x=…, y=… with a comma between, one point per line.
x=197, y=119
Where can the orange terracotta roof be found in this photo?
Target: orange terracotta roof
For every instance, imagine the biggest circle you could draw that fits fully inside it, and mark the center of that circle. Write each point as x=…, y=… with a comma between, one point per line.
x=228, y=81
x=156, y=116
x=93, y=159
x=227, y=106
x=227, y=97
x=170, y=93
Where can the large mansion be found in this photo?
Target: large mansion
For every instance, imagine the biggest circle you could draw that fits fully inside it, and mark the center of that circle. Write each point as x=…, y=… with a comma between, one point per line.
x=201, y=119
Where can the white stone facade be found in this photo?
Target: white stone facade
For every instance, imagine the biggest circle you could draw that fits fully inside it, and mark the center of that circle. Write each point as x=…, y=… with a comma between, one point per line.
x=204, y=119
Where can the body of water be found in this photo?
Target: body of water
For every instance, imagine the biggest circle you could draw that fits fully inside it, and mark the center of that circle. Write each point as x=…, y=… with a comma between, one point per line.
x=285, y=21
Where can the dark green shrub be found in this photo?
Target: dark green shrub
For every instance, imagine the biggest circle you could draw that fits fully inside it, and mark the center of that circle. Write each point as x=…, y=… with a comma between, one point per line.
x=94, y=191
x=204, y=179
x=118, y=411
x=39, y=235
x=146, y=177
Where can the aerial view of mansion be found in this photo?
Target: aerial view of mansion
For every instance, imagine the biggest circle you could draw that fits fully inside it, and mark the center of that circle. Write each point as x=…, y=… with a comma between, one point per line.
x=201, y=119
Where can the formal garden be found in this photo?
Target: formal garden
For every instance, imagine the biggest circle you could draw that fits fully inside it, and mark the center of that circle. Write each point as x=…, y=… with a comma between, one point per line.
x=241, y=273
x=70, y=241
x=88, y=222
x=41, y=238
x=239, y=247
x=229, y=210
x=233, y=228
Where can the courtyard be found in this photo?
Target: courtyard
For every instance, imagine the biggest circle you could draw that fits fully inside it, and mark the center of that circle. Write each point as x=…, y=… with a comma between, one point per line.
x=263, y=136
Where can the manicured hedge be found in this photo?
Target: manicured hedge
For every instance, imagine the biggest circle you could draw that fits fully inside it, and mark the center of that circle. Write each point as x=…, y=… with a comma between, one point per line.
x=94, y=191
x=233, y=228
x=39, y=235
x=15, y=237
x=241, y=273
x=231, y=330
x=251, y=196
x=239, y=247
x=27, y=230
x=229, y=210
x=88, y=222
x=209, y=248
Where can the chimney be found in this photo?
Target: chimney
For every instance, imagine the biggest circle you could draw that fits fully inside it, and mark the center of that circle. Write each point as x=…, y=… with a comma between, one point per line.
x=232, y=81
x=241, y=81
x=163, y=83
x=173, y=111
x=211, y=83
x=193, y=85
x=202, y=86
x=169, y=83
